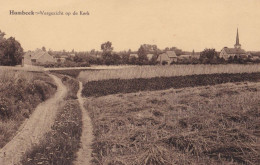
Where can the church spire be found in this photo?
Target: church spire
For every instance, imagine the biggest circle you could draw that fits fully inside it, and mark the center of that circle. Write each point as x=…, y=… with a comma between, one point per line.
x=237, y=45
x=237, y=41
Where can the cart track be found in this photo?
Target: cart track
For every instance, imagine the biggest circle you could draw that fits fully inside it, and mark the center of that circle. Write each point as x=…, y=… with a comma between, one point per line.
x=84, y=154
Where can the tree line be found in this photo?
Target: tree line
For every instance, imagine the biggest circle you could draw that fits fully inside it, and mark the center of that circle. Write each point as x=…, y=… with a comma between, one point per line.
x=11, y=53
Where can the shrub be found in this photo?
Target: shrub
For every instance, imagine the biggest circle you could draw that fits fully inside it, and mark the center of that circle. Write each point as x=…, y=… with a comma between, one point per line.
x=164, y=63
x=5, y=111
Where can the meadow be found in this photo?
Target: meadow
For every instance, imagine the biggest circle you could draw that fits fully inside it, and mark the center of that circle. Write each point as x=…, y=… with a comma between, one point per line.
x=20, y=93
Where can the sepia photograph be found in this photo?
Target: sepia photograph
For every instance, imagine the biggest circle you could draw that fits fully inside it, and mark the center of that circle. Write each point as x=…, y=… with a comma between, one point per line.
x=130, y=82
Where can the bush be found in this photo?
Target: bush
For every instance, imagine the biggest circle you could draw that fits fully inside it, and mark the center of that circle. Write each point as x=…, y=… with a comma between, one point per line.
x=164, y=63
x=22, y=93
x=5, y=111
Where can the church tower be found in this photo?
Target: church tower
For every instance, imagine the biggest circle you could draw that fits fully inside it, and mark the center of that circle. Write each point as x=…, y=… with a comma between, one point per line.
x=237, y=45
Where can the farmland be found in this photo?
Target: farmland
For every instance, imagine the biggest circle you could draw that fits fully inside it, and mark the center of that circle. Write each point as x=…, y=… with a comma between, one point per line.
x=199, y=114
x=165, y=71
x=203, y=125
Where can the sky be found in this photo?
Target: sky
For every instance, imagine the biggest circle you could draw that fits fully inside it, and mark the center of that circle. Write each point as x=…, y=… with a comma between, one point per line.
x=186, y=24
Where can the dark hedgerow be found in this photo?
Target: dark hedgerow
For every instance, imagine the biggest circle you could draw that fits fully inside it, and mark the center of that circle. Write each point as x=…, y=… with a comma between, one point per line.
x=114, y=86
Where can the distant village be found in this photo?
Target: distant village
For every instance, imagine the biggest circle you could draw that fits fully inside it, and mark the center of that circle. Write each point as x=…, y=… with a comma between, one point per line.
x=146, y=55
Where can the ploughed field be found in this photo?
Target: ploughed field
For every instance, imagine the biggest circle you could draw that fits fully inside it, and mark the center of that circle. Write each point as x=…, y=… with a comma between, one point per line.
x=200, y=114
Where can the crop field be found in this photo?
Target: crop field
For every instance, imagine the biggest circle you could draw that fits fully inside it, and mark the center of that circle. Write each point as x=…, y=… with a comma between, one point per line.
x=200, y=114
x=20, y=93
x=216, y=124
x=114, y=86
x=165, y=71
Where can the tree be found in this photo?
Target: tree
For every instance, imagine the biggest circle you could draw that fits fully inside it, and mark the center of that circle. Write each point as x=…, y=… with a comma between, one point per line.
x=11, y=53
x=153, y=60
x=208, y=56
x=177, y=51
x=125, y=58
x=107, y=53
x=133, y=60
x=43, y=49
x=107, y=47
x=2, y=34
x=116, y=59
x=142, y=55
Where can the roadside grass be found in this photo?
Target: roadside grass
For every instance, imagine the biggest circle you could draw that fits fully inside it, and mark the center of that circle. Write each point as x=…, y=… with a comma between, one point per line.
x=20, y=93
x=114, y=86
x=60, y=145
x=165, y=71
x=216, y=124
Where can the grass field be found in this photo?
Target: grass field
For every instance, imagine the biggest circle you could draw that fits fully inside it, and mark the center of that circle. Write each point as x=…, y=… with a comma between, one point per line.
x=202, y=125
x=165, y=71
x=20, y=93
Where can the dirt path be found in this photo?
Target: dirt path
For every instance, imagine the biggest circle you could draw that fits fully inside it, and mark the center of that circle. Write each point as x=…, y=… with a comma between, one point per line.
x=84, y=153
x=34, y=128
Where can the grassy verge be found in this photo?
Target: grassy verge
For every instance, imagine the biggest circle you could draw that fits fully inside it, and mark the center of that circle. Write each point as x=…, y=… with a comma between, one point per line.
x=61, y=144
x=114, y=86
x=202, y=125
x=20, y=93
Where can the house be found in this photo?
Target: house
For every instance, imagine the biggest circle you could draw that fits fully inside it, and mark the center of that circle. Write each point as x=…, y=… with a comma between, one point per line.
x=254, y=56
x=226, y=52
x=37, y=57
x=133, y=55
x=232, y=52
x=150, y=56
x=167, y=58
